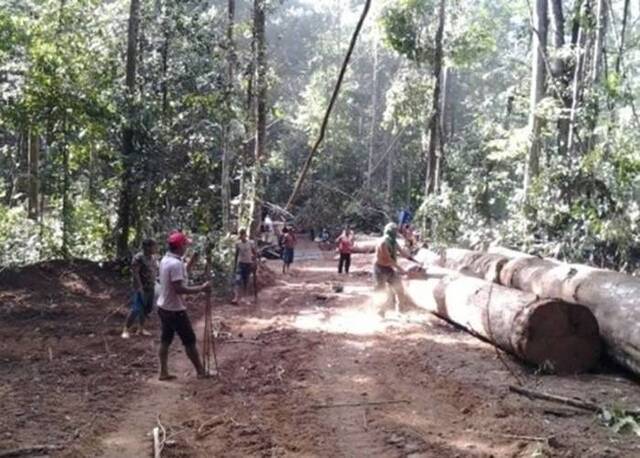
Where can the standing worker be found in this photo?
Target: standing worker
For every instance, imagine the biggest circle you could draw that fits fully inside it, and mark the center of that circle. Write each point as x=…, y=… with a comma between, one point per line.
x=144, y=270
x=386, y=268
x=288, y=246
x=171, y=305
x=345, y=246
x=244, y=263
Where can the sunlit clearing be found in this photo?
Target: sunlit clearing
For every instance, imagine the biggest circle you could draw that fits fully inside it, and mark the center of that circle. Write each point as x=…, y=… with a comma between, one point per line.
x=350, y=321
x=362, y=319
x=357, y=289
x=318, y=269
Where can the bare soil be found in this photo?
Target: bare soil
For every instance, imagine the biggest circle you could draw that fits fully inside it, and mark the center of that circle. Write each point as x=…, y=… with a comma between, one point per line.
x=310, y=370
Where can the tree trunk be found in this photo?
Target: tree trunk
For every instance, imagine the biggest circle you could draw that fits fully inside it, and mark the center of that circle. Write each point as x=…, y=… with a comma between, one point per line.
x=598, y=49
x=575, y=22
x=261, y=115
x=562, y=76
x=225, y=186
x=578, y=75
x=34, y=167
x=538, y=84
x=442, y=134
x=431, y=181
x=623, y=33
x=374, y=110
x=66, y=183
x=596, y=73
x=446, y=73
x=557, y=17
x=614, y=299
x=165, y=68
x=544, y=333
x=127, y=194
x=389, y=187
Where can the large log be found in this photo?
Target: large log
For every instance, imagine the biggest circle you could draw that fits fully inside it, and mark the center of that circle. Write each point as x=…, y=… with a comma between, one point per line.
x=428, y=257
x=613, y=298
x=549, y=333
x=508, y=252
x=475, y=263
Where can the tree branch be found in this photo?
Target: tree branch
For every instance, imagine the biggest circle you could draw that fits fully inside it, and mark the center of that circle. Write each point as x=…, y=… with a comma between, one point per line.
x=325, y=121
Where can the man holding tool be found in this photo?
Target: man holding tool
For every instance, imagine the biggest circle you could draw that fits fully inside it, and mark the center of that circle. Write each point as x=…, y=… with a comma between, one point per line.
x=171, y=305
x=386, y=267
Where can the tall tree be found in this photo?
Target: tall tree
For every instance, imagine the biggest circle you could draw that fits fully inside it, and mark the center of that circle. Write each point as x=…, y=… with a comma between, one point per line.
x=538, y=87
x=596, y=72
x=34, y=173
x=561, y=73
x=225, y=189
x=261, y=113
x=579, y=39
x=374, y=110
x=433, y=158
x=127, y=194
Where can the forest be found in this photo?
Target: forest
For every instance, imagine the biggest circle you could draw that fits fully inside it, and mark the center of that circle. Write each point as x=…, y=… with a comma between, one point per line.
x=502, y=322
x=504, y=122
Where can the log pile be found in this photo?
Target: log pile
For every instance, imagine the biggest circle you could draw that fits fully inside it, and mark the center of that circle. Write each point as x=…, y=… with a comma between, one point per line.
x=613, y=298
x=544, y=333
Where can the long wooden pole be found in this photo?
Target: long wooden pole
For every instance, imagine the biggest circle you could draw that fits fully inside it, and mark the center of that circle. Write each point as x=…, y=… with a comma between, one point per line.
x=325, y=121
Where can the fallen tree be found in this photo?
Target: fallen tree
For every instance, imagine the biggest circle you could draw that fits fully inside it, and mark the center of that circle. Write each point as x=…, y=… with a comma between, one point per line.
x=612, y=297
x=474, y=263
x=546, y=333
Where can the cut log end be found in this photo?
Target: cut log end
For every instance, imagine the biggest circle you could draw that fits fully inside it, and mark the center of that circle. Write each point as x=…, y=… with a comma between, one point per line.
x=561, y=337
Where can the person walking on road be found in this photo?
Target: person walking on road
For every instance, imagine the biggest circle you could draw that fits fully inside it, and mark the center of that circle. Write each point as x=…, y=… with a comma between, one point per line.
x=244, y=263
x=144, y=270
x=345, y=246
x=288, y=246
x=171, y=305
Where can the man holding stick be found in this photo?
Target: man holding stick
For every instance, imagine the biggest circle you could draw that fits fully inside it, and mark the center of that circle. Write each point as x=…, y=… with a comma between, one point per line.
x=171, y=306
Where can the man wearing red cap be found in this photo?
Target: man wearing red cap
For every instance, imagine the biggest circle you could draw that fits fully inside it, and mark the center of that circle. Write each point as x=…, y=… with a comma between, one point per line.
x=171, y=305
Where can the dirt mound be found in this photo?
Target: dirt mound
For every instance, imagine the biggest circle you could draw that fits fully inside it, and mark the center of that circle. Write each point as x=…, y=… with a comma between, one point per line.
x=64, y=370
x=79, y=275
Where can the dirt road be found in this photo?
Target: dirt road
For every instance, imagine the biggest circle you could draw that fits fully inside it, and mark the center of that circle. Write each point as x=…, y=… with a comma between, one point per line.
x=309, y=371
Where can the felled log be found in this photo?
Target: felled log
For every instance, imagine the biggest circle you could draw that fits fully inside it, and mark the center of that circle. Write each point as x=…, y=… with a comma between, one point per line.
x=612, y=297
x=547, y=332
x=428, y=257
x=365, y=246
x=508, y=252
x=474, y=263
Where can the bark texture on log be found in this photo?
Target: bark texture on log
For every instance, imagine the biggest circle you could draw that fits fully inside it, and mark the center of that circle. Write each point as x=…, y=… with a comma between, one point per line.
x=474, y=263
x=540, y=332
x=429, y=257
x=508, y=252
x=522, y=273
x=612, y=297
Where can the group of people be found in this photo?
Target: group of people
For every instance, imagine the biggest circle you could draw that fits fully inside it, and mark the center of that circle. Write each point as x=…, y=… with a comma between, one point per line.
x=166, y=283
x=172, y=275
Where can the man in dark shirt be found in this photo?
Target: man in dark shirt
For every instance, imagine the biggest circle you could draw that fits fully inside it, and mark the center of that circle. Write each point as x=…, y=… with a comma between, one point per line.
x=144, y=270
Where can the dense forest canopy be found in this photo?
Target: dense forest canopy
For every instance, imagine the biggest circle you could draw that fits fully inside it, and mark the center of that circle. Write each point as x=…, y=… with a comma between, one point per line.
x=511, y=122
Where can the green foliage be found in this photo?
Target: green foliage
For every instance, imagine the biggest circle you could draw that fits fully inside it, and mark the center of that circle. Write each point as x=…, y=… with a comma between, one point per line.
x=619, y=421
x=62, y=80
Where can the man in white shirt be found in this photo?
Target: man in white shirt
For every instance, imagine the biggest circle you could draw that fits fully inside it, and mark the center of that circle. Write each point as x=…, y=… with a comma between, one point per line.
x=244, y=263
x=171, y=305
